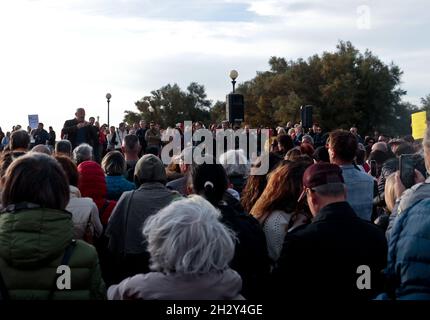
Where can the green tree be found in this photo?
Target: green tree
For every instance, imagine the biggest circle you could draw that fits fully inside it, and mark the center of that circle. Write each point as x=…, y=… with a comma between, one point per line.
x=346, y=87
x=170, y=105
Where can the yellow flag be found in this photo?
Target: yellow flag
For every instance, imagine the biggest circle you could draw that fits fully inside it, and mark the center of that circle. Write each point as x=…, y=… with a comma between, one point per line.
x=419, y=124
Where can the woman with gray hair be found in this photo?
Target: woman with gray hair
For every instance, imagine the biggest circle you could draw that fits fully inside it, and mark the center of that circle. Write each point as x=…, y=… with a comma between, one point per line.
x=83, y=152
x=190, y=253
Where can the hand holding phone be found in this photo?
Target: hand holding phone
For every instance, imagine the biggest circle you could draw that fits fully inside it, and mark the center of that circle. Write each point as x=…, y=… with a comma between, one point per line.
x=407, y=170
x=373, y=168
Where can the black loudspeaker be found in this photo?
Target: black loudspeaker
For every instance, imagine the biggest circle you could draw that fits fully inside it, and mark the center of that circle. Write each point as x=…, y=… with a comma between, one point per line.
x=306, y=116
x=235, y=108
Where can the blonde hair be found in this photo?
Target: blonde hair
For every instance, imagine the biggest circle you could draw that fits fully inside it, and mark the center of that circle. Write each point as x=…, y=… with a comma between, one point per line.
x=389, y=194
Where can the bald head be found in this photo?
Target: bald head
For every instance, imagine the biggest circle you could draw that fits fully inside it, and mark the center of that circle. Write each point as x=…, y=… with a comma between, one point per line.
x=381, y=146
x=80, y=114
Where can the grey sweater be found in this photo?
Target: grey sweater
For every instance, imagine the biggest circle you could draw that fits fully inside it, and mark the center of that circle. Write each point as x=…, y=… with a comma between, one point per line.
x=133, y=208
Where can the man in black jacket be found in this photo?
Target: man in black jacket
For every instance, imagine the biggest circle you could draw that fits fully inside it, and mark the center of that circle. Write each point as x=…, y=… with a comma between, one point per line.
x=338, y=256
x=78, y=130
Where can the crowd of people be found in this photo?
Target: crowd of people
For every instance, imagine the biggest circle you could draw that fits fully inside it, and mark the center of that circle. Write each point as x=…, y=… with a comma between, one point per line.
x=101, y=201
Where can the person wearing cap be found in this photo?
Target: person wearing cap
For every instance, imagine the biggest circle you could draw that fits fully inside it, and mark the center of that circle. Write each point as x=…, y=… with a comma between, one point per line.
x=133, y=208
x=322, y=260
x=360, y=187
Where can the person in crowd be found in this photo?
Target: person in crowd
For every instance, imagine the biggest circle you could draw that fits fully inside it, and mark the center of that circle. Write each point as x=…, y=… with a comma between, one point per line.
x=185, y=160
x=2, y=135
x=392, y=165
x=237, y=167
x=78, y=130
x=285, y=144
x=94, y=142
x=369, y=141
x=308, y=139
x=190, y=253
x=37, y=235
x=83, y=152
x=121, y=132
x=153, y=136
x=360, y=186
x=320, y=260
x=292, y=134
x=408, y=246
x=52, y=138
x=251, y=259
x=321, y=155
x=6, y=159
x=354, y=131
x=381, y=146
x=280, y=131
x=320, y=138
x=393, y=144
x=379, y=157
x=5, y=141
x=307, y=149
x=389, y=199
x=140, y=133
x=360, y=158
x=131, y=149
x=298, y=134
x=114, y=167
x=42, y=148
x=277, y=209
x=92, y=184
x=173, y=170
x=255, y=184
x=114, y=142
x=103, y=143
x=293, y=154
x=63, y=148
x=85, y=214
x=129, y=255
x=41, y=136
x=383, y=138
x=19, y=141
x=134, y=129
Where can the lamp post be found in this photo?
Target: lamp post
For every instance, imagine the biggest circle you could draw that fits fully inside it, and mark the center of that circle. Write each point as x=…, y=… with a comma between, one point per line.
x=233, y=75
x=108, y=96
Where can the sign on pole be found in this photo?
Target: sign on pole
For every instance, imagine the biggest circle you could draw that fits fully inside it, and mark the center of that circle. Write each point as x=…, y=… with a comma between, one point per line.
x=33, y=120
x=419, y=124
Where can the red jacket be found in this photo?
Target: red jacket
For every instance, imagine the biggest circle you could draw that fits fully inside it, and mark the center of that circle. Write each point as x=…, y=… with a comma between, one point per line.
x=92, y=184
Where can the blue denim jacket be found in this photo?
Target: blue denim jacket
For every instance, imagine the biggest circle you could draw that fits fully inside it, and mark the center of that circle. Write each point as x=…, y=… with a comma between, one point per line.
x=359, y=191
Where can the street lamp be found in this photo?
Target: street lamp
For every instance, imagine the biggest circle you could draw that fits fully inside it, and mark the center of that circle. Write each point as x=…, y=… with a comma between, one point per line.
x=108, y=96
x=233, y=75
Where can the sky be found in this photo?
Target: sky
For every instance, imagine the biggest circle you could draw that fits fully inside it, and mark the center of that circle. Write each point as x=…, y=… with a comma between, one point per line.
x=56, y=56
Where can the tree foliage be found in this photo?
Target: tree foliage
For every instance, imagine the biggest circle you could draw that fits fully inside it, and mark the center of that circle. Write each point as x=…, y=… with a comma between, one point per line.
x=346, y=87
x=170, y=105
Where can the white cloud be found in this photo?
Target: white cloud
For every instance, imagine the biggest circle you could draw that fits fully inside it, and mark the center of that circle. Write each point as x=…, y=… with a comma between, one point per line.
x=58, y=55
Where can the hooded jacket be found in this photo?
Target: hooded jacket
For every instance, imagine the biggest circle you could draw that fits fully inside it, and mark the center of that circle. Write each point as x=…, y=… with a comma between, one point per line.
x=32, y=245
x=84, y=214
x=92, y=184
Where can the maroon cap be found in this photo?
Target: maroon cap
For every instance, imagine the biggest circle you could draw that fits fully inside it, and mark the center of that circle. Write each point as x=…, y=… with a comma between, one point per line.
x=320, y=174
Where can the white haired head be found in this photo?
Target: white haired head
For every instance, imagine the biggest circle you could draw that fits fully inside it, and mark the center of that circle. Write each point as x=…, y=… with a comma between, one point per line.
x=235, y=163
x=83, y=152
x=187, y=237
